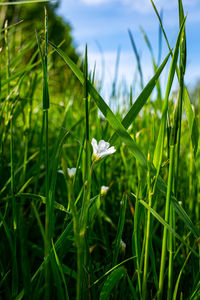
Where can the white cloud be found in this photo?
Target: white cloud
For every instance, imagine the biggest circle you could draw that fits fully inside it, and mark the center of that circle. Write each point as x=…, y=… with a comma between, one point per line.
x=94, y=2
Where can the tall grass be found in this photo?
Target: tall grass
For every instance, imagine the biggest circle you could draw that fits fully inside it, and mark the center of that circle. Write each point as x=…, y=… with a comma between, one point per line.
x=63, y=236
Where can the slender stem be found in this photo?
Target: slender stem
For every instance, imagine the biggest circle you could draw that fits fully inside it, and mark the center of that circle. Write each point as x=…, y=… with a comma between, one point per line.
x=14, y=211
x=82, y=251
x=12, y=173
x=148, y=235
x=7, y=56
x=136, y=234
x=167, y=212
x=47, y=211
x=14, y=207
x=171, y=257
x=180, y=104
x=40, y=154
x=191, y=181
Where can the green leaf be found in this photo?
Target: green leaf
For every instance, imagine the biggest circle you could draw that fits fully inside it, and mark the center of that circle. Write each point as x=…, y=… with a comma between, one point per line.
x=111, y=282
x=183, y=50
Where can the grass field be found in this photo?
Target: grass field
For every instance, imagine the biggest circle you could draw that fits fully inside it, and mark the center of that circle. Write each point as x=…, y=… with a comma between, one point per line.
x=83, y=219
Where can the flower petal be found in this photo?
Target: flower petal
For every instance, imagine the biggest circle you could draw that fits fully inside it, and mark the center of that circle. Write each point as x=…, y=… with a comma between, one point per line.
x=111, y=150
x=103, y=145
x=95, y=146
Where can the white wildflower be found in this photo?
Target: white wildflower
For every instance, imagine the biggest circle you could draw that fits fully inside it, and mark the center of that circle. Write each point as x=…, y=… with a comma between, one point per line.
x=104, y=190
x=102, y=149
x=71, y=172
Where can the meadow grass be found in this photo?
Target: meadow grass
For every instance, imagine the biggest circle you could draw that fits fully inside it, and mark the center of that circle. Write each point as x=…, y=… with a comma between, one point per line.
x=76, y=221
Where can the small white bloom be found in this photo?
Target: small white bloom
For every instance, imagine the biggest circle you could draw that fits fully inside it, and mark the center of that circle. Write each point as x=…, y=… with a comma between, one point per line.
x=102, y=149
x=122, y=246
x=104, y=190
x=71, y=172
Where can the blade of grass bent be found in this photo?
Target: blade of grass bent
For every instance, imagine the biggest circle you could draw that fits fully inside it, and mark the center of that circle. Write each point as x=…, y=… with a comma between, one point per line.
x=127, y=121
x=114, y=122
x=140, y=101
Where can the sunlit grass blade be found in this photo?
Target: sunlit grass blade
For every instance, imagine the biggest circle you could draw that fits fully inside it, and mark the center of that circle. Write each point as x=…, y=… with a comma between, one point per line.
x=140, y=101
x=147, y=232
x=160, y=40
x=189, y=112
x=194, y=133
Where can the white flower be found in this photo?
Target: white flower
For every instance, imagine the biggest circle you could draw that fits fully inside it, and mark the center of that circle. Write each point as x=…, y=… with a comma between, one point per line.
x=71, y=172
x=122, y=246
x=104, y=190
x=102, y=149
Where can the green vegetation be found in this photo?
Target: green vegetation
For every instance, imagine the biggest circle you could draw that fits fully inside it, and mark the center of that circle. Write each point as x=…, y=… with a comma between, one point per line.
x=83, y=219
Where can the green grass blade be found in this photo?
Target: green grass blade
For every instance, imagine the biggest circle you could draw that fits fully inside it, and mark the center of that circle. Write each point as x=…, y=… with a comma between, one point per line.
x=183, y=50
x=61, y=271
x=137, y=58
x=143, y=97
x=165, y=224
x=45, y=76
x=191, y=121
x=157, y=159
x=109, y=115
x=120, y=229
x=140, y=101
x=189, y=112
x=179, y=277
x=111, y=282
x=120, y=130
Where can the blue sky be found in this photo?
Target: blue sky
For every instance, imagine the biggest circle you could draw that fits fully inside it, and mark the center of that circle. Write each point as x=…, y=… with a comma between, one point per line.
x=103, y=25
